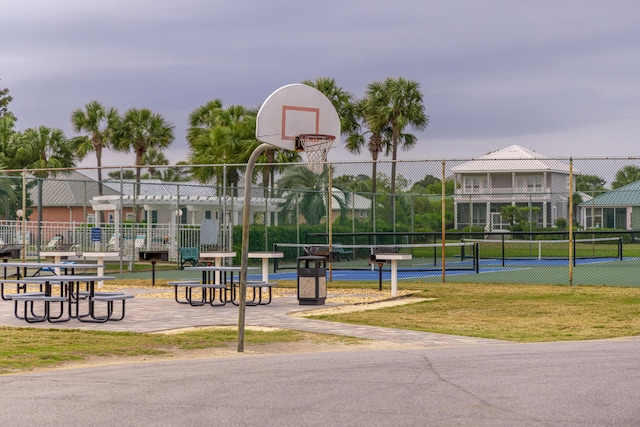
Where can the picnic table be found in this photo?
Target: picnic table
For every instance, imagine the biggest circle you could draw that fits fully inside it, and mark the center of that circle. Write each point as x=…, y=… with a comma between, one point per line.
x=394, y=258
x=265, y=256
x=217, y=257
x=69, y=295
x=226, y=286
x=22, y=269
x=100, y=257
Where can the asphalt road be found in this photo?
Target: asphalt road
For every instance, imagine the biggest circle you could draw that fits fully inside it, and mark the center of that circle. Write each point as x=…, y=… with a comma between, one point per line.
x=594, y=383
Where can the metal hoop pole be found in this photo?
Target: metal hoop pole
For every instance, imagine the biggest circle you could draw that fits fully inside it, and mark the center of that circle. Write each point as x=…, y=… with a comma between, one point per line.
x=244, y=254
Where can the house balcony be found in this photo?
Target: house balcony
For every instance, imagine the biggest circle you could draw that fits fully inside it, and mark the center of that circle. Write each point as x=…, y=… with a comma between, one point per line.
x=502, y=195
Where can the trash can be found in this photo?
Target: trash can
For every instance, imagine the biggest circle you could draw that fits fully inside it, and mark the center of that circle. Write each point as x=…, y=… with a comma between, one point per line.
x=312, y=280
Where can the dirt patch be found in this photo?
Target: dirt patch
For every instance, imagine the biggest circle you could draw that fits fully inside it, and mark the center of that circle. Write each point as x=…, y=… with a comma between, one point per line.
x=298, y=347
x=351, y=308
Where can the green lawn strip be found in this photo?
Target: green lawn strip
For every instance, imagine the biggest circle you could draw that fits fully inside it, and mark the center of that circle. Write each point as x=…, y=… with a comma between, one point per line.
x=522, y=313
x=23, y=349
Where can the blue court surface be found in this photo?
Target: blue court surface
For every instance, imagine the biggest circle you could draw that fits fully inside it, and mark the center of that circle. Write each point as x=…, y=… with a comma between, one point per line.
x=418, y=272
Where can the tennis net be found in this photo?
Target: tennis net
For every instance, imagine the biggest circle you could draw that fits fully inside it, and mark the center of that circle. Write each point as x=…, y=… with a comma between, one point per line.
x=424, y=257
x=507, y=249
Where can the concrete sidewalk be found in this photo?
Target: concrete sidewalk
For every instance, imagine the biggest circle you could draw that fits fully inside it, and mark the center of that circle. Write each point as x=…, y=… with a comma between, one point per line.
x=160, y=314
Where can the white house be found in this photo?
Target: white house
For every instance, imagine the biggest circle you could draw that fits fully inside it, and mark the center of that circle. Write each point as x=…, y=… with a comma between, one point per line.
x=513, y=176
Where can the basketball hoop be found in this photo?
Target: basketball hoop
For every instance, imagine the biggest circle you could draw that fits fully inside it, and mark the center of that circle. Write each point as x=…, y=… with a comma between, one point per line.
x=316, y=147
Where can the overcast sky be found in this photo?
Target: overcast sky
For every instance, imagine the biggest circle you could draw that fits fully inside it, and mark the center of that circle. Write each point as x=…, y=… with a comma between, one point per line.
x=561, y=77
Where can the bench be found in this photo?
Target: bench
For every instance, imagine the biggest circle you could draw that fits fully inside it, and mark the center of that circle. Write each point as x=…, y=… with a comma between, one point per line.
x=29, y=298
x=320, y=251
x=189, y=255
x=10, y=251
x=189, y=285
x=109, y=298
x=339, y=252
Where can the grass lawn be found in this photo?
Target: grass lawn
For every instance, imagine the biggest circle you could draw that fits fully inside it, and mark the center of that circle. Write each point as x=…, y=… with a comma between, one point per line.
x=522, y=313
x=515, y=312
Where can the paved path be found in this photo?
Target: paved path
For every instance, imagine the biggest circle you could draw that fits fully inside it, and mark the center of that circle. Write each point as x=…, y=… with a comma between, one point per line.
x=159, y=314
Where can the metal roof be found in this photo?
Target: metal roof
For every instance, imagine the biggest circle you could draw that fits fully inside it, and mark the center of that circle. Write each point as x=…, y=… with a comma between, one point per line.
x=628, y=195
x=512, y=159
x=71, y=189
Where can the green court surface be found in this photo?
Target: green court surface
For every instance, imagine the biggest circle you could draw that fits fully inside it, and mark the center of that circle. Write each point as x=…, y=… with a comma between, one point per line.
x=609, y=273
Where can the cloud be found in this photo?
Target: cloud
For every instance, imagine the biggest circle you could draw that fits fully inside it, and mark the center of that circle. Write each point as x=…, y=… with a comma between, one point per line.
x=546, y=73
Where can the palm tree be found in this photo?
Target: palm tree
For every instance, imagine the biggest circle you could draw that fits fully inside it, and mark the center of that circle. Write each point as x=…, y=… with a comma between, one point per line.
x=398, y=104
x=41, y=149
x=99, y=123
x=219, y=135
x=44, y=148
x=303, y=186
x=379, y=133
x=389, y=108
x=153, y=158
x=141, y=130
x=342, y=100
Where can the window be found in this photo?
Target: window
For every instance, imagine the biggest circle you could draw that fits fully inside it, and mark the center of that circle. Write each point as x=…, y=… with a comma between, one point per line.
x=529, y=182
x=475, y=184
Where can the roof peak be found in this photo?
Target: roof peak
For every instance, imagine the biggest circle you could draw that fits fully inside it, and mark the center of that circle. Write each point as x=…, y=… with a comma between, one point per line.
x=513, y=152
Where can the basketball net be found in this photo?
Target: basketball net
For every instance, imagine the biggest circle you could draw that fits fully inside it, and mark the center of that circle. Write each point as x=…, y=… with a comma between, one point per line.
x=316, y=147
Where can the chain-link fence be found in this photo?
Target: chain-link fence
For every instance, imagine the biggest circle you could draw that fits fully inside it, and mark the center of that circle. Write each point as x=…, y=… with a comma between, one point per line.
x=535, y=219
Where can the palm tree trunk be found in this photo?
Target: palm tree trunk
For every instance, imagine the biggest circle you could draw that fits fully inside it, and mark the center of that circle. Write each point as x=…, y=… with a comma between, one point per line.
x=100, y=185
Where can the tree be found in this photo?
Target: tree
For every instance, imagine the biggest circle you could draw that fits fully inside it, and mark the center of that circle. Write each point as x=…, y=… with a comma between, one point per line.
x=127, y=174
x=41, y=149
x=7, y=135
x=379, y=134
x=308, y=189
x=140, y=130
x=590, y=183
x=342, y=100
x=397, y=104
x=626, y=175
x=10, y=187
x=100, y=124
x=5, y=99
x=153, y=158
x=181, y=172
x=219, y=135
x=354, y=184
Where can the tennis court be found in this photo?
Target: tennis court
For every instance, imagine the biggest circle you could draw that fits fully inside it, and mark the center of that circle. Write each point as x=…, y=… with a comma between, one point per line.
x=465, y=262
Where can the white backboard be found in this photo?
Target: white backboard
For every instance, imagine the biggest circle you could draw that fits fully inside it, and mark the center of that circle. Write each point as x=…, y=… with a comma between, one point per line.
x=293, y=110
